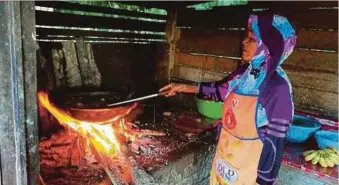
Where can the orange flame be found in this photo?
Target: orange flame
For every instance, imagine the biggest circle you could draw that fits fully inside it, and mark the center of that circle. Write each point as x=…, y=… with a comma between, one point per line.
x=104, y=135
x=106, y=138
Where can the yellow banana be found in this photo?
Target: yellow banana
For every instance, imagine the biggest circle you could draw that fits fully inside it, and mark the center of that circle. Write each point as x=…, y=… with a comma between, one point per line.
x=315, y=159
x=329, y=151
x=329, y=162
x=334, y=159
x=322, y=161
x=335, y=150
x=311, y=155
x=334, y=155
x=307, y=152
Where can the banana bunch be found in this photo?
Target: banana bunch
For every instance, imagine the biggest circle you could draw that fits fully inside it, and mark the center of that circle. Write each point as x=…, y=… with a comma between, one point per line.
x=326, y=157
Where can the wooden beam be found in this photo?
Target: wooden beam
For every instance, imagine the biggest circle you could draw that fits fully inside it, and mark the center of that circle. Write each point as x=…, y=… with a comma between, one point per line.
x=29, y=46
x=79, y=33
x=112, y=40
x=162, y=63
x=72, y=20
x=168, y=5
x=172, y=36
x=18, y=128
x=92, y=8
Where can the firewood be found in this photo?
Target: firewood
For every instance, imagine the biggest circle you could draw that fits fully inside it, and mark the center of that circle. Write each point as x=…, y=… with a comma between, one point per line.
x=72, y=66
x=75, y=153
x=58, y=66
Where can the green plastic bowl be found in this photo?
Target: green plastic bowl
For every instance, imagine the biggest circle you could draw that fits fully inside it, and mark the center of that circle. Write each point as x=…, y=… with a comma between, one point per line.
x=209, y=109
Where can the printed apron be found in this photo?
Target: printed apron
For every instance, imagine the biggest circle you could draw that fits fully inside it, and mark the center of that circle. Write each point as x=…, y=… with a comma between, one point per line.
x=239, y=148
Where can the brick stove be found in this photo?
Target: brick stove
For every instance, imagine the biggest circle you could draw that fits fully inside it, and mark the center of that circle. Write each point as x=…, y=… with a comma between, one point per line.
x=165, y=144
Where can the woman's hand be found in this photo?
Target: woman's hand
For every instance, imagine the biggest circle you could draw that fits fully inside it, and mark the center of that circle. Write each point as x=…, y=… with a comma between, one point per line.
x=171, y=89
x=174, y=88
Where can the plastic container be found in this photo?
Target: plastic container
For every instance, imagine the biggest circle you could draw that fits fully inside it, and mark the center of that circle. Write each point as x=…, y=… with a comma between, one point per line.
x=326, y=139
x=302, y=129
x=209, y=109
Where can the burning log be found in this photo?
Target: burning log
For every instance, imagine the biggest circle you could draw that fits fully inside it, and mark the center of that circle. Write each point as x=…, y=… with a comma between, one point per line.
x=75, y=153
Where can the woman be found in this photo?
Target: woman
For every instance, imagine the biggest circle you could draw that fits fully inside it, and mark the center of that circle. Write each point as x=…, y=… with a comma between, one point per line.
x=257, y=109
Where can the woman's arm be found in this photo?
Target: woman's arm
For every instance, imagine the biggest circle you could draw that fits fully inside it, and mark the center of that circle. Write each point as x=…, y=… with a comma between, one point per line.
x=173, y=88
x=212, y=90
x=279, y=111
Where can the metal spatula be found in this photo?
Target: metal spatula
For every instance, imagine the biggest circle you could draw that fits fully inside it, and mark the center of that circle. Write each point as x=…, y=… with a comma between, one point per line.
x=134, y=100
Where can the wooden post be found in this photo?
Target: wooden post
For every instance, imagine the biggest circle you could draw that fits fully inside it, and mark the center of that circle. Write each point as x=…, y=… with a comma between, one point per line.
x=172, y=36
x=18, y=127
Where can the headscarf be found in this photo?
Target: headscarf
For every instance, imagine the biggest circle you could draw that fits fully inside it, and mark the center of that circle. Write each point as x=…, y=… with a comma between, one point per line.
x=275, y=39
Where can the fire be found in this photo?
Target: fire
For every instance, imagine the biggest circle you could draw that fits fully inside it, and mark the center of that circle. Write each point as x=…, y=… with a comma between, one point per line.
x=104, y=136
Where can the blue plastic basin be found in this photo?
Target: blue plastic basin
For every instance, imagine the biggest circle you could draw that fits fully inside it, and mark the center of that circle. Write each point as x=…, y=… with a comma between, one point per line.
x=302, y=129
x=326, y=139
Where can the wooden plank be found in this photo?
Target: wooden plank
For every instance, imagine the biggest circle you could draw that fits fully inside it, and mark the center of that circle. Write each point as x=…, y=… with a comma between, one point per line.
x=209, y=76
x=218, y=17
x=237, y=16
x=102, y=40
x=13, y=151
x=30, y=84
x=196, y=74
x=292, y=4
x=228, y=43
x=71, y=20
x=323, y=103
x=321, y=81
x=324, y=40
x=317, y=19
x=161, y=4
x=79, y=33
x=207, y=62
x=92, y=8
x=313, y=60
x=225, y=43
x=306, y=17
x=187, y=73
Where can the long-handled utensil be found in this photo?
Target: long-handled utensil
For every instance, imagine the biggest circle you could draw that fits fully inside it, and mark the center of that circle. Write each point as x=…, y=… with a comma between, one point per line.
x=134, y=100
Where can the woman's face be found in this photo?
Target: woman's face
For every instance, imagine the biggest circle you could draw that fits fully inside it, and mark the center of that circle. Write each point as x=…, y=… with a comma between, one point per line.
x=249, y=46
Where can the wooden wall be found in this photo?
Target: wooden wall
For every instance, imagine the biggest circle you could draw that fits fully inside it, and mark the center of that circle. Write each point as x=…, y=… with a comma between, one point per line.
x=125, y=43
x=209, y=47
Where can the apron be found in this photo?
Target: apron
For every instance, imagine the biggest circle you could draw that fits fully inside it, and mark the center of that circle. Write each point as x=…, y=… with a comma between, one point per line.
x=239, y=148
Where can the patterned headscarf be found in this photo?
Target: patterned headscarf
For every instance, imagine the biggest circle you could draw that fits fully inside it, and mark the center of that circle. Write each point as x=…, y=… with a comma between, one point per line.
x=275, y=38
